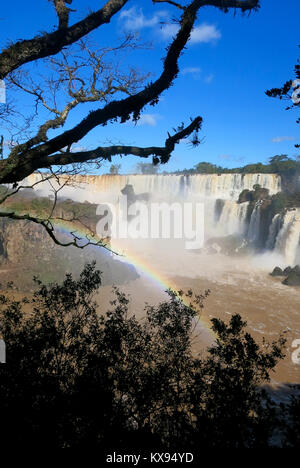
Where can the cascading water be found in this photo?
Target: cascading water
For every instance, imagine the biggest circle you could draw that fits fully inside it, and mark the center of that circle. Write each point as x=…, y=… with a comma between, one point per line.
x=287, y=241
x=274, y=229
x=254, y=225
x=224, y=186
x=232, y=219
x=229, y=186
x=217, y=192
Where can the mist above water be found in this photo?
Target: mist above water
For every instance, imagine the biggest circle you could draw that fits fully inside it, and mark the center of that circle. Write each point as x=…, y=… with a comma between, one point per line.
x=223, y=215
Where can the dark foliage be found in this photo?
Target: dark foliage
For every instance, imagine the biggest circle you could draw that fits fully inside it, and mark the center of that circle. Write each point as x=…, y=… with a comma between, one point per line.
x=279, y=164
x=74, y=378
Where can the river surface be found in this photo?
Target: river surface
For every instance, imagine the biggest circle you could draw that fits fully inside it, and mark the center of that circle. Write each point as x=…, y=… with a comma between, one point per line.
x=238, y=285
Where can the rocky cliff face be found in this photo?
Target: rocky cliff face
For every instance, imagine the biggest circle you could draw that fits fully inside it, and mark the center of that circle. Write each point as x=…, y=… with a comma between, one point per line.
x=27, y=250
x=23, y=240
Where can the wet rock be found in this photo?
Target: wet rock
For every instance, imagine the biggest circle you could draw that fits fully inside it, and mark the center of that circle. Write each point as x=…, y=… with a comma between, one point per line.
x=277, y=272
x=245, y=196
x=132, y=197
x=228, y=245
x=214, y=249
x=293, y=277
x=287, y=270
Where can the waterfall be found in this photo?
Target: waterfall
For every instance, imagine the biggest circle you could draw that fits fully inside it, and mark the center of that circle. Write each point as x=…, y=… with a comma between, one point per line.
x=224, y=186
x=229, y=186
x=254, y=225
x=274, y=229
x=219, y=193
x=287, y=241
x=232, y=219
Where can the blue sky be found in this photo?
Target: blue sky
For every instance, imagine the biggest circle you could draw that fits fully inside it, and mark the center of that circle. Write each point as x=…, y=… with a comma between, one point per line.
x=229, y=63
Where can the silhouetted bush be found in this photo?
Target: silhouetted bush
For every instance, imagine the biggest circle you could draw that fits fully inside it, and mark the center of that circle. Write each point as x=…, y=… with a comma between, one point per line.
x=78, y=378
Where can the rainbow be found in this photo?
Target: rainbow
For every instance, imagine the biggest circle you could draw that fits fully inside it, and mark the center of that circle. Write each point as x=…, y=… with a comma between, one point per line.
x=142, y=266
x=160, y=280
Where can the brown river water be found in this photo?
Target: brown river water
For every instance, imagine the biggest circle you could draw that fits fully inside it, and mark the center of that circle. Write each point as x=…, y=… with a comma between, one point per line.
x=238, y=285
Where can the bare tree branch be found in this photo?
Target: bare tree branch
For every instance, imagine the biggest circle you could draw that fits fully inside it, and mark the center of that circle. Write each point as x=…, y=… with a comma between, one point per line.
x=52, y=223
x=38, y=151
x=105, y=153
x=19, y=166
x=51, y=212
x=62, y=12
x=51, y=43
x=50, y=228
x=10, y=193
x=100, y=84
x=170, y=3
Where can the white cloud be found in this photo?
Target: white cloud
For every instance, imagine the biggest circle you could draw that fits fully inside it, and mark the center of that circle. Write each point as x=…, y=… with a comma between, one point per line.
x=196, y=73
x=230, y=157
x=134, y=18
x=191, y=70
x=204, y=33
x=279, y=139
x=169, y=30
x=225, y=156
x=209, y=78
x=148, y=119
x=78, y=148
